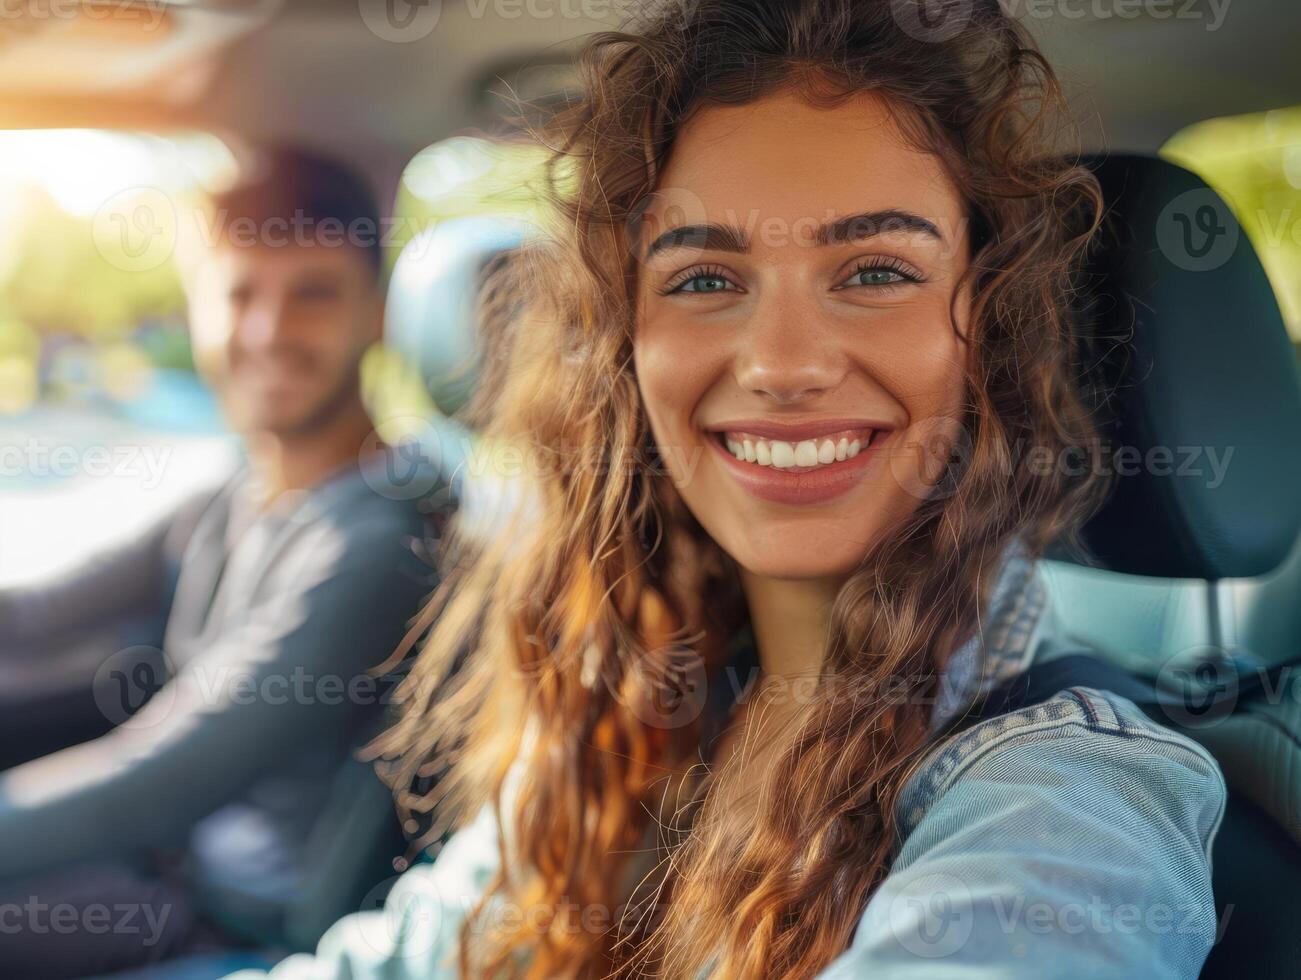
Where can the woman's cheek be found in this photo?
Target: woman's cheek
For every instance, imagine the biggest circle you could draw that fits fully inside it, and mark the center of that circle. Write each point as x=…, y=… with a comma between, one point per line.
x=653, y=360
x=923, y=366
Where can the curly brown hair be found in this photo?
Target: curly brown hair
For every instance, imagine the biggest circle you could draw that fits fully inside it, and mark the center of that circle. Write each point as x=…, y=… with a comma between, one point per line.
x=578, y=609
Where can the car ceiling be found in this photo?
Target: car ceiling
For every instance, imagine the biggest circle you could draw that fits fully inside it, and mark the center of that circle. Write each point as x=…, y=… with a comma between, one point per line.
x=313, y=71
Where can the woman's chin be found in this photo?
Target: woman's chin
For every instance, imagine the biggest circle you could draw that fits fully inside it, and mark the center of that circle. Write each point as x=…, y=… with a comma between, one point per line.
x=833, y=553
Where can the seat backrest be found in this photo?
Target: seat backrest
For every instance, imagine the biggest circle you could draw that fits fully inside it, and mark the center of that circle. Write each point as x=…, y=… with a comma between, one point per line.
x=354, y=844
x=1196, y=561
x=1191, y=374
x=1193, y=368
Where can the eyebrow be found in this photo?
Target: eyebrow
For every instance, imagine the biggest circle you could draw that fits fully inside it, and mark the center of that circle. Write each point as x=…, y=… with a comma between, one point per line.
x=854, y=228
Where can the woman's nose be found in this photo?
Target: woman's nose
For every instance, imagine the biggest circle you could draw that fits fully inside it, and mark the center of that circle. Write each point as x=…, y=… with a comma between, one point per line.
x=785, y=354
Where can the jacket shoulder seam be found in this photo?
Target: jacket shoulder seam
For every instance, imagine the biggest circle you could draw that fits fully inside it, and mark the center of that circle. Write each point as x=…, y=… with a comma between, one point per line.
x=1069, y=713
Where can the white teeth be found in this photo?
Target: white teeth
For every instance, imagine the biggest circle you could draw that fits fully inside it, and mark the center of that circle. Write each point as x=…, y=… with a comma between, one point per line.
x=784, y=455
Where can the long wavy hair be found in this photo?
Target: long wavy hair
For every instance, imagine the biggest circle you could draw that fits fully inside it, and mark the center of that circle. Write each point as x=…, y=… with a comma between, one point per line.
x=540, y=687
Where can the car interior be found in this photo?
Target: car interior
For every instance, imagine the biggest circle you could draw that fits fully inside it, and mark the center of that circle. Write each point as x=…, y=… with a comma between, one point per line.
x=1192, y=587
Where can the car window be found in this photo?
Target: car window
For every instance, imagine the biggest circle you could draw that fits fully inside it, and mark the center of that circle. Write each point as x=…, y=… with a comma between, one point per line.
x=100, y=410
x=1254, y=163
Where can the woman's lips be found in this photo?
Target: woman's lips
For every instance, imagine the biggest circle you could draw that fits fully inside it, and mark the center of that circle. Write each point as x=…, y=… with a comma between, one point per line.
x=801, y=484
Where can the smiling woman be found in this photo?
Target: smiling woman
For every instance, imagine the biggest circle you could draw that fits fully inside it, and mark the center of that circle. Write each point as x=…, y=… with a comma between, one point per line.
x=811, y=333
x=805, y=298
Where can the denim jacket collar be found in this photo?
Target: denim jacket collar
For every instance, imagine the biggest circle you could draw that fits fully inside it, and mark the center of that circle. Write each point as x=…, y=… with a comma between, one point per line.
x=1005, y=639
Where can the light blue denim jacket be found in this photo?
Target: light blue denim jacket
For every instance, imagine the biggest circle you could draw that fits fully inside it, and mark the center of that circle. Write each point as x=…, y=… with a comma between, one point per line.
x=1067, y=839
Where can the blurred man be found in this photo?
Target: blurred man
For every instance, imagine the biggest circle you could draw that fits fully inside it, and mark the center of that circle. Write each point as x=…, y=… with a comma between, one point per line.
x=279, y=591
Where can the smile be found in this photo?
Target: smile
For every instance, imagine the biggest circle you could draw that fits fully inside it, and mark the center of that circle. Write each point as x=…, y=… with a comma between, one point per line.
x=803, y=454
x=811, y=464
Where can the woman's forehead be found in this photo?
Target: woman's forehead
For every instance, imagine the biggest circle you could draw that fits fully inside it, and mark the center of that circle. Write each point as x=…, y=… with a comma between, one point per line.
x=780, y=158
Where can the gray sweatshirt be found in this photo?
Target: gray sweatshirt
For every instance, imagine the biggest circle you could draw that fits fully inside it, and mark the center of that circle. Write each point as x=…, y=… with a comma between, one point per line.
x=259, y=693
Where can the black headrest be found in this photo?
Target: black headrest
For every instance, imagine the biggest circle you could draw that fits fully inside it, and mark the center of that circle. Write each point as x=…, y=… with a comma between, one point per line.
x=1187, y=361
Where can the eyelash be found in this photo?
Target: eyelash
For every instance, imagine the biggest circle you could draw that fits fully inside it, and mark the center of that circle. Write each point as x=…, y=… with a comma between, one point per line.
x=884, y=264
x=675, y=284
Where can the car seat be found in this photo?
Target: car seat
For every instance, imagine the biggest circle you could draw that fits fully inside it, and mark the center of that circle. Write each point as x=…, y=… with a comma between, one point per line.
x=1194, y=574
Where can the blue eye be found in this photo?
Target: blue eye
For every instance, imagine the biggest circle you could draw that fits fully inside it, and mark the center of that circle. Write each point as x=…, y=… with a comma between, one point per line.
x=704, y=284
x=876, y=277
x=880, y=274
x=701, y=280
